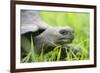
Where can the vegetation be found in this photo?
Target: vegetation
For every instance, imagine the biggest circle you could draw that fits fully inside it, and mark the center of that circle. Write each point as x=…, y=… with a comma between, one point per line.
x=79, y=22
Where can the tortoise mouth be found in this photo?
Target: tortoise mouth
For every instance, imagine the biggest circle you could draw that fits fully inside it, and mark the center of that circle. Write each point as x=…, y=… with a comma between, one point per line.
x=62, y=41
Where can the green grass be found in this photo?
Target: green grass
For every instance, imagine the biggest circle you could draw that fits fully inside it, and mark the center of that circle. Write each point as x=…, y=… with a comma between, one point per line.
x=79, y=22
x=53, y=55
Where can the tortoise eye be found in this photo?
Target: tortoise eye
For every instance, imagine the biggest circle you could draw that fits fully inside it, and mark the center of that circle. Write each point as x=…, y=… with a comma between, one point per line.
x=64, y=32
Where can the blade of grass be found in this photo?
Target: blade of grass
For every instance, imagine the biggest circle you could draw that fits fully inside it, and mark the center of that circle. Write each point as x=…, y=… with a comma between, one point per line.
x=59, y=54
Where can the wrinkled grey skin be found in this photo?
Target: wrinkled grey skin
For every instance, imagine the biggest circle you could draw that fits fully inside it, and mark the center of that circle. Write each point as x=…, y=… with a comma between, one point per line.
x=53, y=37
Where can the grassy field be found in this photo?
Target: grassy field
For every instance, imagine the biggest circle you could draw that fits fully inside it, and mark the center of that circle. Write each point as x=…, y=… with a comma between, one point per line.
x=79, y=22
